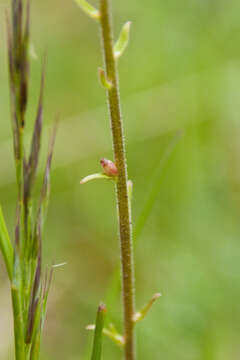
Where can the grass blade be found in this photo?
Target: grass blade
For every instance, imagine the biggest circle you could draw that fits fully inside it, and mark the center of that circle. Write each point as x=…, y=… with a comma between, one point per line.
x=6, y=246
x=97, y=343
x=31, y=167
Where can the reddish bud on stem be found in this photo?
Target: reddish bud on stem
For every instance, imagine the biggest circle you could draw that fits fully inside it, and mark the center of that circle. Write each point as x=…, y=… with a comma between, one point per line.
x=109, y=167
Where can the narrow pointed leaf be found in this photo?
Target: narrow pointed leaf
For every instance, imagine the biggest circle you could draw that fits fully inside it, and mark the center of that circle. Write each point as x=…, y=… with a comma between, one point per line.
x=12, y=87
x=141, y=314
x=111, y=333
x=46, y=182
x=48, y=281
x=88, y=9
x=123, y=40
x=36, y=143
x=95, y=177
x=24, y=64
x=117, y=338
x=33, y=317
x=6, y=246
x=40, y=316
x=16, y=291
x=97, y=343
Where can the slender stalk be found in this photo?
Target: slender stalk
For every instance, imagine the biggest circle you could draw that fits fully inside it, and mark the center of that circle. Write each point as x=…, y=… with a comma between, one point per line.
x=124, y=212
x=18, y=325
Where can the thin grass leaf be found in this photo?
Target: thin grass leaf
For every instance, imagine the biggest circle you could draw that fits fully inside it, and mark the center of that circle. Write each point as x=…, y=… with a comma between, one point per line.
x=12, y=88
x=10, y=50
x=17, y=13
x=44, y=197
x=40, y=316
x=28, y=300
x=34, y=304
x=16, y=291
x=97, y=343
x=48, y=281
x=24, y=65
x=6, y=246
x=32, y=165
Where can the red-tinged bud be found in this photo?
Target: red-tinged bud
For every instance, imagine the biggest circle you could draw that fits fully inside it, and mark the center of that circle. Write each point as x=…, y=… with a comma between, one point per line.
x=109, y=167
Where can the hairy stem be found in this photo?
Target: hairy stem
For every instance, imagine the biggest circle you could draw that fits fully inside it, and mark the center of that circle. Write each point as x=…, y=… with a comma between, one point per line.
x=124, y=212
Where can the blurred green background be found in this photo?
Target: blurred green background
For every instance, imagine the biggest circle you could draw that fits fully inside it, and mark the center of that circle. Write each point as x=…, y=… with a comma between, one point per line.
x=181, y=72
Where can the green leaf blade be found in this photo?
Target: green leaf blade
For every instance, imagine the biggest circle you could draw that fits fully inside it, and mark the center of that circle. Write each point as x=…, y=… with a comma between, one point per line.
x=6, y=246
x=97, y=343
x=123, y=40
x=88, y=9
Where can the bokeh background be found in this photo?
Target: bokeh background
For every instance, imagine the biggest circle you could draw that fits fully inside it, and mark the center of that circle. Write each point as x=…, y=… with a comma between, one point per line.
x=180, y=89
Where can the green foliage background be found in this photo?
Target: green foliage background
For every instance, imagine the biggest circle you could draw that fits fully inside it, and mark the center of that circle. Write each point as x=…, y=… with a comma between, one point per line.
x=181, y=71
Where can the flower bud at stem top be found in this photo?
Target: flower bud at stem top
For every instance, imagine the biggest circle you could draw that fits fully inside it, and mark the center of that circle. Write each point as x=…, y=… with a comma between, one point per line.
x=109, y=167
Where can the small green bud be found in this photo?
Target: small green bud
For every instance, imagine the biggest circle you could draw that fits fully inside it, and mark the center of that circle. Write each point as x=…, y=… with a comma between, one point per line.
x=107, y=84
x=123, y=40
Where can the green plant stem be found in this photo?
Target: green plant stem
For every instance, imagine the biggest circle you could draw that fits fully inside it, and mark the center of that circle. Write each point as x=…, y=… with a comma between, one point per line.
x=124, y=212
x=18, y=325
